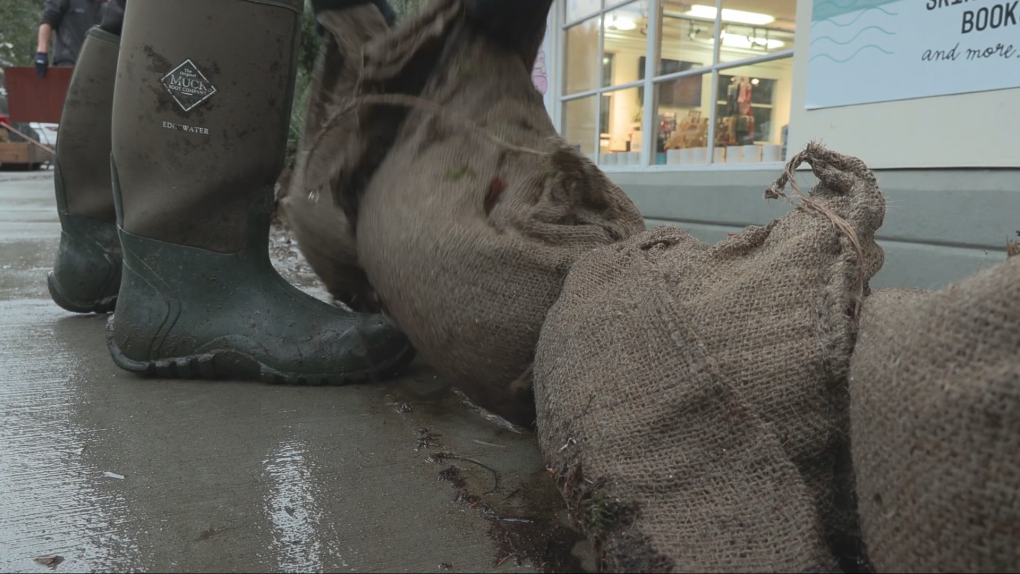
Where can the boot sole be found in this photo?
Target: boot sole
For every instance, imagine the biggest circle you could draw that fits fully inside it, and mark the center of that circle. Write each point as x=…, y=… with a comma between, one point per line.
x=102, y=306
x=233, y=365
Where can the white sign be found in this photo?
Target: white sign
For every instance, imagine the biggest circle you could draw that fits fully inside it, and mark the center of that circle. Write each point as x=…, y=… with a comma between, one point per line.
x=865, y=51
x=543, y=66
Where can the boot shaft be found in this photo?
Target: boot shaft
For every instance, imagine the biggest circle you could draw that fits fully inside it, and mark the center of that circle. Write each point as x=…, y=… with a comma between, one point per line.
x=83, y=151
x=202, y=108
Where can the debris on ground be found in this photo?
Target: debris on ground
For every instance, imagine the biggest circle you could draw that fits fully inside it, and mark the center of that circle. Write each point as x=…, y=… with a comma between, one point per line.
x=443, y=456
x=113, y=475
x=426, y=439
x=534, y=536
x=491, y=417
x=49, y=561
x=287, y=257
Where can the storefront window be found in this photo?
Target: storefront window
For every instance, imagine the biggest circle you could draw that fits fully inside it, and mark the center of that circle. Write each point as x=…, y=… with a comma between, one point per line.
x=751, y=29
x=577, y=9
x=579, y=124
x=581, y=69
x=625, y=43
x=620, y=129
x=684, y=44
x=718, y=79
x=752, y=110
x=682, y=106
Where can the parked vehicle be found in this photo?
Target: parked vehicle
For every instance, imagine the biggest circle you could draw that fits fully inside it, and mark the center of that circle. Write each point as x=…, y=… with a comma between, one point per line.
x=15, y=151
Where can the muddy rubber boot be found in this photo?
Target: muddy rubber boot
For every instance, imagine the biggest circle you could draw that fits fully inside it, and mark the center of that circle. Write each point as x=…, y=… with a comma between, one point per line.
x=86, y=275
x=201, y=114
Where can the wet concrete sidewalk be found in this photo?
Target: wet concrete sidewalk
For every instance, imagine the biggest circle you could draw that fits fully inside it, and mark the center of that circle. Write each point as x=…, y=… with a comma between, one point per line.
x=110, y=472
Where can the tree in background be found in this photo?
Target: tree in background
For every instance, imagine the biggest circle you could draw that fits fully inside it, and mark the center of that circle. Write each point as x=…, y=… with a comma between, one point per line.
x=311, y=46
x=19, y=31
x=405, y=8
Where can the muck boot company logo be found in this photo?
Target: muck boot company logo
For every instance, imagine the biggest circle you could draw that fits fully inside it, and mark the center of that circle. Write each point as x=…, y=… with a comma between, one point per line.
x=188, y=86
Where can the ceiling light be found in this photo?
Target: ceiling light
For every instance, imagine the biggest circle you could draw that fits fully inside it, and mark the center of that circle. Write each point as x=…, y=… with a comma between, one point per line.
x=735, y=16
x=755, y=81
x=749, y=43
x=621, y=23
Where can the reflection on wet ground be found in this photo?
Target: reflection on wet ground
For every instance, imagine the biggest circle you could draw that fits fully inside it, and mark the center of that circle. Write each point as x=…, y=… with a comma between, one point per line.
x=103, y=471
x=67, y=505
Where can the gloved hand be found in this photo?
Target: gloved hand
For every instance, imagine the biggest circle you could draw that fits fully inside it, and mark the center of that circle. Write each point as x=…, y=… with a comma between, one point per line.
x=42, y=61
x=320, y=6
x=507, y=21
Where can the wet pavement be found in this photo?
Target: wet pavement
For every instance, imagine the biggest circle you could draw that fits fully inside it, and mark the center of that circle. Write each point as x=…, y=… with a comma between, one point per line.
x=103, y=471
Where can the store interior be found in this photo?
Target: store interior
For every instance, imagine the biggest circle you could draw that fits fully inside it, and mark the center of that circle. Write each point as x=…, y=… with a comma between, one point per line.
x=752, y=102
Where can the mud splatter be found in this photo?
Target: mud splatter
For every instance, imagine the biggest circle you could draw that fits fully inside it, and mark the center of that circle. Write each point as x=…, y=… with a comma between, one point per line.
x=496, y=189
x=157, y=63
x=207, y=534
x=549, y=547
x=461, y=495
x=523, y=534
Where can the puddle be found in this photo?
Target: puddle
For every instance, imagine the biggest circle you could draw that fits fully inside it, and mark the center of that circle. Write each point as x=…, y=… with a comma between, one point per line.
x=58, y=507
x=294, y=510
x=100, y=471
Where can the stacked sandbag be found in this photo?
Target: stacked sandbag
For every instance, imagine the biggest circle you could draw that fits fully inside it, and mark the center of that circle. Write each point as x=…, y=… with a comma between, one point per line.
x=935, y=397
x=320, y=227
x=692, y=398
x=468, y=208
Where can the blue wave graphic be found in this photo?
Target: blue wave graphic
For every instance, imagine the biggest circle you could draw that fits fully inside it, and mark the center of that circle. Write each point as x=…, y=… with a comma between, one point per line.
x=854, y=55
x=859, y=16
x=844, y=6
x=861, y=31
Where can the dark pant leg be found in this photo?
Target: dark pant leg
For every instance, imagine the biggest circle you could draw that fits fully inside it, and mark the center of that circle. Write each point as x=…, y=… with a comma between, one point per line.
x=113, y=20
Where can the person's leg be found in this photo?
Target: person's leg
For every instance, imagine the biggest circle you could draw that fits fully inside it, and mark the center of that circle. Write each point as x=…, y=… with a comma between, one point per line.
x=86, y=275
x=113, y=18
x=201, y=113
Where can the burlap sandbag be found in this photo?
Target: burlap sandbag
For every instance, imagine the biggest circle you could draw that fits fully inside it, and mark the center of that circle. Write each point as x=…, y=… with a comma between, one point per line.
x=320, y=226
x=692, y=398
x=935, y=389
x=469, y=209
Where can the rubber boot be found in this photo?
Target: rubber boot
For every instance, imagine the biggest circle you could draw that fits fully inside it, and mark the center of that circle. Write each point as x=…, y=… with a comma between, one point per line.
x=201, y=114
x=86, y=275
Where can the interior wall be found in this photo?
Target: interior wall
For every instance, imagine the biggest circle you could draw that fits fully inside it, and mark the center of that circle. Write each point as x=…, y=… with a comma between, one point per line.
x=625, y=102
x=580, y=72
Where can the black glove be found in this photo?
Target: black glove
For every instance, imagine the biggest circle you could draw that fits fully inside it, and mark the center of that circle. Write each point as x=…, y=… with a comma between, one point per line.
x=320, y=6
x=42, y=61
x=507, y=21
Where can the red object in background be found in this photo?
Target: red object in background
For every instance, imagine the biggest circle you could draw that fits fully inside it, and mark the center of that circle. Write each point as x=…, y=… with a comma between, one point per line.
x=34, y=99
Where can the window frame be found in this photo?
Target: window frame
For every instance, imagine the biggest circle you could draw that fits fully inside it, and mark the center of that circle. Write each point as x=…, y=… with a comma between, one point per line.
x=558, y=26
